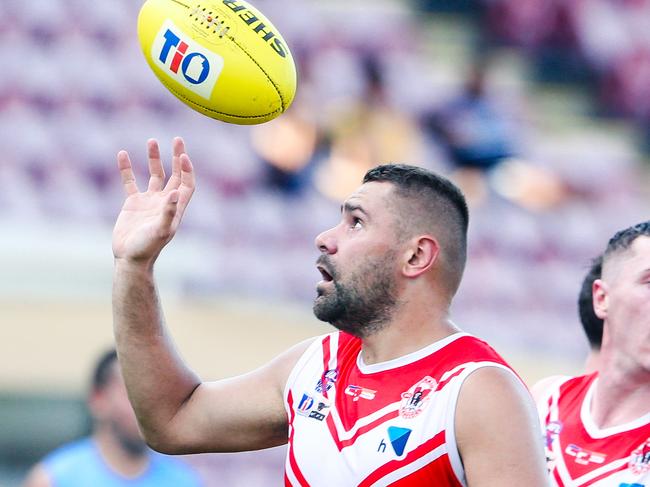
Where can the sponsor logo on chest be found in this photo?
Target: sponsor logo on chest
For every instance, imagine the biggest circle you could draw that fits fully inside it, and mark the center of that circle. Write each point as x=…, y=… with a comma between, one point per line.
x=311, y=407
x=360, y=392
x=584, y=456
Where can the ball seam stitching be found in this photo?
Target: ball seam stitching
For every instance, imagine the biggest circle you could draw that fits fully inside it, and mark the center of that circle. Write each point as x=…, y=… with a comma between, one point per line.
x=188, y=100
x=277, y=90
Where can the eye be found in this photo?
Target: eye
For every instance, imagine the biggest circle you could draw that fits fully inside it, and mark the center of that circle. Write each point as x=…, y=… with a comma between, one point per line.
x=356, y=223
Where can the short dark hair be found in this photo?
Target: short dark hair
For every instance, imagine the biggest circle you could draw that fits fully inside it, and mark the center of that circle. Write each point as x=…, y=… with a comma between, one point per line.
x=102, y=373
x=591, y=323
x=439, y=199
x=623, y=239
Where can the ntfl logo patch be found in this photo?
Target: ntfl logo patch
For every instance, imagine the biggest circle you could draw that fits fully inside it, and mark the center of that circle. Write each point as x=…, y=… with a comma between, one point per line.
x=185, y=60
x=327, y=380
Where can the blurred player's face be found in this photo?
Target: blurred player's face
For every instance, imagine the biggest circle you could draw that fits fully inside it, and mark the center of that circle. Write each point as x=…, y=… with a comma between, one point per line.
x=626, y=305
x=112, y=410
x=358, y=264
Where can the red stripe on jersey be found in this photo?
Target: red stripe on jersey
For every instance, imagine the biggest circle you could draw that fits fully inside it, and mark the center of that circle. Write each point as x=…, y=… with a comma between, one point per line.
x=605, y=475
x=326, y=361
x=292, y=457
x=344, y=443
x=393, y=465
x=439, y=472
x=444, y=382
x=558, y=479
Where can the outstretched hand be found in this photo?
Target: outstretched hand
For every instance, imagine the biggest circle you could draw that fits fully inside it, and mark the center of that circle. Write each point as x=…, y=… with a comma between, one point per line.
x=149, y=219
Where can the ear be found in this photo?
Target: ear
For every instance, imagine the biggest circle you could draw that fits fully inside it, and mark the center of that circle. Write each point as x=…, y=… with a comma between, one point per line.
x=96, y=403
x=600, y=298
x=420, y=256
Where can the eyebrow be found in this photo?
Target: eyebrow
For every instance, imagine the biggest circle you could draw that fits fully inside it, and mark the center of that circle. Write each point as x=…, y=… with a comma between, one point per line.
x=350, y=207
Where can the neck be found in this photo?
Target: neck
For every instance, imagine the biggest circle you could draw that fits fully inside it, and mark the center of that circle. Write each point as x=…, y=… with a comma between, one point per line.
x=116, y=457
x=406, y=334
x=622, y=393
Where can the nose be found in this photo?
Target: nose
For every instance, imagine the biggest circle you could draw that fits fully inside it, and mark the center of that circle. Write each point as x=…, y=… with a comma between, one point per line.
x=326, y=242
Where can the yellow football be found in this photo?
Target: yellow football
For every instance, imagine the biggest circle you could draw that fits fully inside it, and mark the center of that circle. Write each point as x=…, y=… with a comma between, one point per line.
x=223, y=58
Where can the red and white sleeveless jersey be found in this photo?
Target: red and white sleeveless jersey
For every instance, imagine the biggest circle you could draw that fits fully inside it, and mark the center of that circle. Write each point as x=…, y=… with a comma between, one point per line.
x=390, y=423
x=579, y=453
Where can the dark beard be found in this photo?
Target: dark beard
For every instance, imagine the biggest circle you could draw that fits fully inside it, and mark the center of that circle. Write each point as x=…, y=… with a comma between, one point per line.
x=364, y=306
x=134, y=446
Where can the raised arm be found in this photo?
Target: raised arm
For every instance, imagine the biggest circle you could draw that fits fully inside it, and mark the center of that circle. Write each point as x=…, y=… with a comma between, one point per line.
x=176, y=411
x=498, y=433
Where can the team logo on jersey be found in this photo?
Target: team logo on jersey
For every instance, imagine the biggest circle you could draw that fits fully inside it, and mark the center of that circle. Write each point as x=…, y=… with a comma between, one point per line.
x=416, y=398
x=185, y=60
x=312, y=408
x=398, y=438
x=583, y=456
x=639, y=462
x=327, y=380
x=359, y=392
x=553, y=429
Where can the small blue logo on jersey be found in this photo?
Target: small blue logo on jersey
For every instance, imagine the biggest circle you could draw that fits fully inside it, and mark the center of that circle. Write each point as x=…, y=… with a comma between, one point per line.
x=553, y=430
x=398, y=438
x=316, y=409
x=305, y=404
x=327, y=380
x=631, y=485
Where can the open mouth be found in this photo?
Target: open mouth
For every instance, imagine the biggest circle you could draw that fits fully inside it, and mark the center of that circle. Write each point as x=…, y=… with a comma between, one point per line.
x=327, y=277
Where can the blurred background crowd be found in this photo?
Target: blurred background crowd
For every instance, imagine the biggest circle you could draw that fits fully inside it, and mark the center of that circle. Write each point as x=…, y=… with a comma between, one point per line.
x=538, y=109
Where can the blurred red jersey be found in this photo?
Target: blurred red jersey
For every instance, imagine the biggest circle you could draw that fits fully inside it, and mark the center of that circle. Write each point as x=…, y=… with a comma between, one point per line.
x=579, y=453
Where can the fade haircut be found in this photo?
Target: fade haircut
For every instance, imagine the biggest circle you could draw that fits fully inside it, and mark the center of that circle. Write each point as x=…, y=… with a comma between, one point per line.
x=430, y=203
x=103, y=369
x=623, y=239
x=591, y=323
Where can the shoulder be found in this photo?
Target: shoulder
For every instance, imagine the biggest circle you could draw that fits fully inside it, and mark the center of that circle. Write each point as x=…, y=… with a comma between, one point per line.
x=490, y=397
x=63, y=461
x=543, y=388
x=493, y=385
x=37, y=477
x=496, y=427
x=70, y=455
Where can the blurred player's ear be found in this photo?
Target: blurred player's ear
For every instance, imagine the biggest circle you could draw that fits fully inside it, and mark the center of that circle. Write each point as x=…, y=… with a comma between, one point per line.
x=421, y=255
x=600, y=298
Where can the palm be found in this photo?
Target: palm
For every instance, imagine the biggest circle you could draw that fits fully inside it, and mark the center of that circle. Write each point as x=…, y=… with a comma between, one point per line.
x=148, y=220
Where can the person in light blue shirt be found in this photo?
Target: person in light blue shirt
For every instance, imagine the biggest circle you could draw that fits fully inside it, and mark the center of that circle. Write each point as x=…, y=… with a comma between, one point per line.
x=115, y=455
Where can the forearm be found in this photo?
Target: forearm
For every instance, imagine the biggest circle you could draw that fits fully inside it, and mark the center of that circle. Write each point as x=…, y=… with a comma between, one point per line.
x=158, y=381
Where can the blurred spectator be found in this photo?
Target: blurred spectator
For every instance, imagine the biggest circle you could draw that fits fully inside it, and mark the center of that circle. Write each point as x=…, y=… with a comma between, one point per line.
x=287, y=146
x=115, y=454
x=365, y=131
x=474, y=131
x=591, y=323
x=472, y=127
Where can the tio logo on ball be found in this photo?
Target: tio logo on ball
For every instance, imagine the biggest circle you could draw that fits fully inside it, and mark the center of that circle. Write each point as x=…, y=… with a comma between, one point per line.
x=186, y=61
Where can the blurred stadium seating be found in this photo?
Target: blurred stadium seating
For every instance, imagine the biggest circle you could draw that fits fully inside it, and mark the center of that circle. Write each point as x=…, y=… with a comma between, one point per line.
x=75, y=89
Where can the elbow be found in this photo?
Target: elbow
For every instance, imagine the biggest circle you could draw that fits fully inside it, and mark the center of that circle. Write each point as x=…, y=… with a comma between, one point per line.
x=164, y=442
